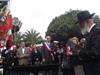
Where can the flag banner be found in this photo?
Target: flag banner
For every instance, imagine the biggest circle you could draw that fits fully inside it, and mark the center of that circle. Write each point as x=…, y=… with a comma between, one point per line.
x=5, y=22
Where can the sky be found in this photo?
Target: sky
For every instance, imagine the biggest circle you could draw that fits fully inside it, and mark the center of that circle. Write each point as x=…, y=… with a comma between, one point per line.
x=38, y=14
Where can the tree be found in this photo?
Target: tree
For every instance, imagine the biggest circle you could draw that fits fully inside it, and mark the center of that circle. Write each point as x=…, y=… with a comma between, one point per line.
x=97, y=19
x=32, y=37
x=63, y=27
x=17, y=38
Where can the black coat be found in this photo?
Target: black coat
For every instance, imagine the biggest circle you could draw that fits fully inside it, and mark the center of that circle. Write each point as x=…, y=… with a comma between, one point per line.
x=7, y=57
x=91, y=53
x=35, y=56
x=46, y=54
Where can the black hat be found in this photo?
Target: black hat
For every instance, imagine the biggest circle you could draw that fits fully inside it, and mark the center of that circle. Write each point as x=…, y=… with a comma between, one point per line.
x=83, y=15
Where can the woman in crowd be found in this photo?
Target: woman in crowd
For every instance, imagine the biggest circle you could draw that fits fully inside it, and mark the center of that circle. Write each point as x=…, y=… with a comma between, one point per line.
x=35, y=55
x=70, y=58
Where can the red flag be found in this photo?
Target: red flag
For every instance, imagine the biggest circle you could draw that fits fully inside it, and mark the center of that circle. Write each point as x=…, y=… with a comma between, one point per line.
x=7, y=26
x=9, y=42
x=9, y=22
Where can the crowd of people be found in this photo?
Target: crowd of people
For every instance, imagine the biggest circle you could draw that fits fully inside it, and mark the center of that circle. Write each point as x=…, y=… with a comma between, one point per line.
x=49, y=52
x=31, y=54
x=25, y=54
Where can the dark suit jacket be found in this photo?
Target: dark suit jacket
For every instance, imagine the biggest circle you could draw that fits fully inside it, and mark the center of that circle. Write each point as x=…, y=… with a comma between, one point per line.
x=34, y=57
x=7, y=58
x=47, y=54
x=91, y=53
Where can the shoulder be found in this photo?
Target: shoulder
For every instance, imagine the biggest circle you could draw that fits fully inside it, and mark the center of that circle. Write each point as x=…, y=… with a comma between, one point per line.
x=96, y=31
x=27, y=48
x=19, y=49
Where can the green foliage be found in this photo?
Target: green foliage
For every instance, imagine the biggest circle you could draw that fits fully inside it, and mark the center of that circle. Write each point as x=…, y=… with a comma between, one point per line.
x=32, y=37
x=17, y=38
x=63, y=27
x=97, y=19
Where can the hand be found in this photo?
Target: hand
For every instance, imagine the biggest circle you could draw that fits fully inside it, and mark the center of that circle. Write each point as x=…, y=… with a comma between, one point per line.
x=6, y=51
x=70, y=53
x=54, y=52
x=43, y=60
x=37, y=59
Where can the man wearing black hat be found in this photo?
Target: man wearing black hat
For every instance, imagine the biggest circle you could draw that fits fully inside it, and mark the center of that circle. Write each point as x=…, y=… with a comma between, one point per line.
x=91, y=53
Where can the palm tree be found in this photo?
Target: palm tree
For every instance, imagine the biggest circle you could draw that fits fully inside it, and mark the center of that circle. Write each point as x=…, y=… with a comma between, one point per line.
x=32, y=37
x=17, y=38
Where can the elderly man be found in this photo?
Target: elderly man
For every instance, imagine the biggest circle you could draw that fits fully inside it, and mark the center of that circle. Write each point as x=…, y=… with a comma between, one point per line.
x=47, y=50
x=91, y=53
x=23, y=54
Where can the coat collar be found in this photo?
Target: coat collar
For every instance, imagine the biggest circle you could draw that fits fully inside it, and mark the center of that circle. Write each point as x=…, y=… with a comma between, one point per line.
x=91, y=27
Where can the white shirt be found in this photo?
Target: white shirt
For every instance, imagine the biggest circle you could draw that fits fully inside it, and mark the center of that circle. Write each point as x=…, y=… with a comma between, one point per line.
x=23, y=49
x=91, y=27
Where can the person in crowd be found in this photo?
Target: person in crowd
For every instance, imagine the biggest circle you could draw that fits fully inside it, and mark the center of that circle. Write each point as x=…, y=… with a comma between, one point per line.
x=36, y=56
x=14, y=56
x=90, y=54
x=82, y=42
x=47, y=50
x=28, y=47
x=70, y=58
x=48, y=53
x=23, y=54
x=7, y=59
x=56, y=52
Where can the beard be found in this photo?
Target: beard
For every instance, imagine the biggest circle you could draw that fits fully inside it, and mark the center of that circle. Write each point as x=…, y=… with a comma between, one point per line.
x=85, y=29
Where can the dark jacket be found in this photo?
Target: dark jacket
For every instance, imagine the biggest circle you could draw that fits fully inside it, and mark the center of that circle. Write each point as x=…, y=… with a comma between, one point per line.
x=74, y=58
x=46, y=54
x=36, y=57
x=7, y=57
x=91, y=53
